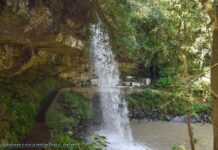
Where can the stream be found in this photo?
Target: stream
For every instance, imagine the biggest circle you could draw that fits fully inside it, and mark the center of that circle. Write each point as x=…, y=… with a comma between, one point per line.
x=162, y=135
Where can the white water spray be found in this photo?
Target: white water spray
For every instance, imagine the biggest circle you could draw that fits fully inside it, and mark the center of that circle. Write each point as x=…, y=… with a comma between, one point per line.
x=115, y=126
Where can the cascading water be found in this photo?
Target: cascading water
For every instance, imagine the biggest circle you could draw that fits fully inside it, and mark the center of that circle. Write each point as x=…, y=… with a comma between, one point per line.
x=115, y=126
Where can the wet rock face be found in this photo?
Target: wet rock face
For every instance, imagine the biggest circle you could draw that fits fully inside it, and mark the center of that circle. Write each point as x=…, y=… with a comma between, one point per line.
x=35, y=22
x=33, y=64
x=48, y=36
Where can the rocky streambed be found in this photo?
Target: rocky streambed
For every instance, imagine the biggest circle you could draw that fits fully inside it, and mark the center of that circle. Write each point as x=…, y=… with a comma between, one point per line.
x=139, y=114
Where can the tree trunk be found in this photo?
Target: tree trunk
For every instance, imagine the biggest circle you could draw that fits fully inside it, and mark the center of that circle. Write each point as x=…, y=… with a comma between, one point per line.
x=190, y=132
x=214, y=82
x=213, y=14
x=185, y=66
x=186, y=76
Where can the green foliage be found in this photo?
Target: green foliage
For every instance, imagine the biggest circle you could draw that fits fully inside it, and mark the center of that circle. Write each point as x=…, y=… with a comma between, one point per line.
x=201, y=89
x=164, y=82
x=165, y=103
x=76, y=101
x=58, y=121
x=112, y=13
x=146, y=100
x=199, y=108
x=177, y=105
x=65, y=116
x=160, y=32
x=62, y=139
x=98, y=142
x=68, y=112
x=181, y=147
x=21, y=102
x=66, y=139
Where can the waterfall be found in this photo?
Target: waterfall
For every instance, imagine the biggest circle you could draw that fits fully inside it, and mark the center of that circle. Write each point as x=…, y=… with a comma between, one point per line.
x=115, y=125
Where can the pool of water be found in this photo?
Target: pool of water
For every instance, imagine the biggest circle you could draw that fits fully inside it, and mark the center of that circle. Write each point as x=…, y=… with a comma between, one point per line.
x=161, y=135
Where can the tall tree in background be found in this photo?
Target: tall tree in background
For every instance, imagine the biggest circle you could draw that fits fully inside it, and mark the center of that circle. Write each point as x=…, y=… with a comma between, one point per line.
x=212, y=11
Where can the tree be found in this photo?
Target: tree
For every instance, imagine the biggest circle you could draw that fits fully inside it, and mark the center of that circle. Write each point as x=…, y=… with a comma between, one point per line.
x=212, y=11
x=162, y=34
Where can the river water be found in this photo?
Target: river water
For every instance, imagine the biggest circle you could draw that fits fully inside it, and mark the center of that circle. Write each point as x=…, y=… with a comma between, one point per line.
x=161, y=135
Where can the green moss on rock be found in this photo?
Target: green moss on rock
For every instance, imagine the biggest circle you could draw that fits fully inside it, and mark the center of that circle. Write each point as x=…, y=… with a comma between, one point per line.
x=68, y=113
x=19, y=104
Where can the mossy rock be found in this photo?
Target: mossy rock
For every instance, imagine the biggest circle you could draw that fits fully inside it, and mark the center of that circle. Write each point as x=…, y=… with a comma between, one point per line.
x=19, y=104
x=68, y=113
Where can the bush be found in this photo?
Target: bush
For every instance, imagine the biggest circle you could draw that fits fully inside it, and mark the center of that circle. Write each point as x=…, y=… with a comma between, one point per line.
x=77, y=101
x=164, y=82
x=201, y=89
x=146, y=101
x=176, y=105
x=69, y=113
x=163, y=104
x=21, y=102
x=97, y=143
x=198, y=108
x=181, y=147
